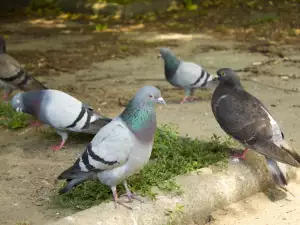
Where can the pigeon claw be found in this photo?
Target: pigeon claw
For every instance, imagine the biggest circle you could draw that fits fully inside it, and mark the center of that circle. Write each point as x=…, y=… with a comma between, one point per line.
x=56, y=148
x=132, y=196
x=122, y=203
x=4, y=97
x=35, y=123
x=188, y=99
x=237, y=157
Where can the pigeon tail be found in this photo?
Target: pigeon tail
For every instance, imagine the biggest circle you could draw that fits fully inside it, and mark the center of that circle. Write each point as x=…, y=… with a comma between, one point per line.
x=212, y=83
x=284, y=145
x=284, y=153
x=75, y=176
x=71, y=183
x=73, y=172
x=277, y=174
x=95, y=126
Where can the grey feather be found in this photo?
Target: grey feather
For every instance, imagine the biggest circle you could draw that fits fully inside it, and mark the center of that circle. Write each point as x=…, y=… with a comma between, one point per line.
x=13, y=76
x=59, y=110
x=186, y=75
x=246, y=119
x=122, y=147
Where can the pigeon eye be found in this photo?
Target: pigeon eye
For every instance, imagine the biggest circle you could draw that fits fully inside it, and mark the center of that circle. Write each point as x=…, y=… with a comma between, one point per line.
x=223, y=73
x=150, y=96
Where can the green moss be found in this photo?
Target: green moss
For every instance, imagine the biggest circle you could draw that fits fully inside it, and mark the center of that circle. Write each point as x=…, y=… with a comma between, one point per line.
x=10, y=118
x=172, y=155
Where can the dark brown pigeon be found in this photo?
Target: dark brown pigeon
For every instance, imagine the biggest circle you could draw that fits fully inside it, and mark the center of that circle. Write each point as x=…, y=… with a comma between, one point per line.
x=13, y=76
x=248, y=121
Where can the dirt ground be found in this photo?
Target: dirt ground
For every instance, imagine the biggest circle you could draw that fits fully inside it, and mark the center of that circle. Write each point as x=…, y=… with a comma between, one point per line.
x=105, y=70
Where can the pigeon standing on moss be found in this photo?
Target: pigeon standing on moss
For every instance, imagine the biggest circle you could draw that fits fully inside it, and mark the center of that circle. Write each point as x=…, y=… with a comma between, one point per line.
x=61, y=111
x=186, y=75
x=13, y=76
x=247, y=120
x=121, y=148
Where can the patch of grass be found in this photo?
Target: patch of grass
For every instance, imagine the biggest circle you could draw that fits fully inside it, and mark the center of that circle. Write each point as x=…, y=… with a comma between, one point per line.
x=12, y=119
x=172, y=155
x=174, y=214
x=189, y=5
x=266, y=18
x=101, y=27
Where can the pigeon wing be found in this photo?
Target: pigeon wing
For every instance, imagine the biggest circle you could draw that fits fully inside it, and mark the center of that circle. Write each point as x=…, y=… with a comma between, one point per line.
x=110, y=148
x=245, y=119
x=191, y=75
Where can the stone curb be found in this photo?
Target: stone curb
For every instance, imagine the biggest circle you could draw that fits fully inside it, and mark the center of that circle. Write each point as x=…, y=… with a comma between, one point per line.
x=204, y=191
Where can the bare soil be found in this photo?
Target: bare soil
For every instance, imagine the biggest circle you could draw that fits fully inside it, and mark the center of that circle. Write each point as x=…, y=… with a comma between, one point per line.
x=105, y=69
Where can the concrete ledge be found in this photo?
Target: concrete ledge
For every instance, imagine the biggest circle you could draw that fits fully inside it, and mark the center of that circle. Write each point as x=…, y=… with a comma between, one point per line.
x=204, y=191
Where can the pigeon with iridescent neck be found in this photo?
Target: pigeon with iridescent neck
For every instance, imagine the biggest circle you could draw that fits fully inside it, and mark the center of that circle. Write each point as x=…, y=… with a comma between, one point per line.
x=61, y=111
x=186, y=75
x=13, y=76
x=247, y=120
x=121, y=148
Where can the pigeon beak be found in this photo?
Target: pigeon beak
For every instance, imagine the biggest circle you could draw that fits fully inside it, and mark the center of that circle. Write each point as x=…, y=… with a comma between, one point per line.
x=158, y=56
x=161, y=101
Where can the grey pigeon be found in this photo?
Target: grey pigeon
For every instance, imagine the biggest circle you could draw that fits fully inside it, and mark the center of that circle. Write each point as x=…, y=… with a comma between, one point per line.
x=121, y=148
x=248, y=121
x=61, y=111
x=186, y=75
x=13, y=76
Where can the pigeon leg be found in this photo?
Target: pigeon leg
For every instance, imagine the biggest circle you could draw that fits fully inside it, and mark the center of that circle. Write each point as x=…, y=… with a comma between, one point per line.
x=188, y=96
x=35, y=123
x=4, y=97
x=187, y=93
x=6, y=94
x=184, y=100
x=64, y=136
x=117, y=200
x=130, y=195
x=241, y=156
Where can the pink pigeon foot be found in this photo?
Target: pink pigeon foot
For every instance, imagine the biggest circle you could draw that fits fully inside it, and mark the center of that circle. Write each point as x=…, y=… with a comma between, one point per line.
x=188, y=99
x=183, y=100
x=35, y=123
x=58, y=147
x=4, y=97
x=241, y=156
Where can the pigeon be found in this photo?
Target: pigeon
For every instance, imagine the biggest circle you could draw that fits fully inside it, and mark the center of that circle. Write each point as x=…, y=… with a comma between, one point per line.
x=186, y=75
x=247, y=120
x=61, y=111
x=121, y=148
x=13, y=76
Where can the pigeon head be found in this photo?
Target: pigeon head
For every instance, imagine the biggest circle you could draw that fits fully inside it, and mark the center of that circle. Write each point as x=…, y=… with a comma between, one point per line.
x=165, y=53
x=148, y=95
x=228, y=77
x=2, y=45
x=27, y=102
x=171, y=62
x=17, y=102
x=139, y=114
